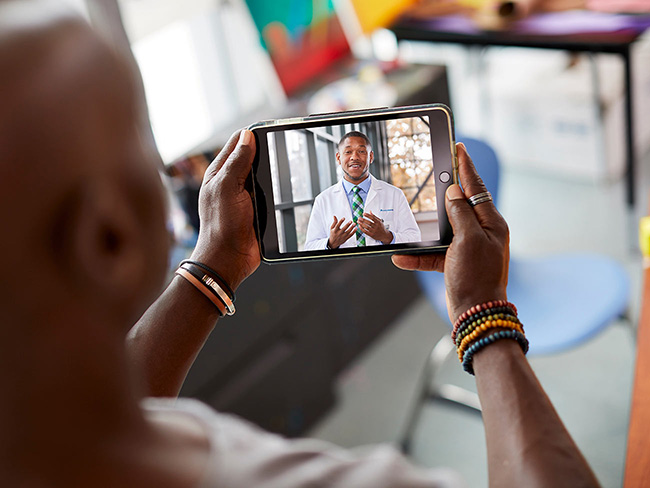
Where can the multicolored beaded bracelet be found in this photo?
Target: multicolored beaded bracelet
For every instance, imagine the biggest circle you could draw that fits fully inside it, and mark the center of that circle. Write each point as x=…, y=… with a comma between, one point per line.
x=477, y=323
x=475, y=329
x=468, y=327
x=490, y=339
x=483, y=313
x=482, y=329
x=477, y=309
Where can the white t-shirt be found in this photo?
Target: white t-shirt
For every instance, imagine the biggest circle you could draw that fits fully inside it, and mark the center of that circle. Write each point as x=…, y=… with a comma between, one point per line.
x=244, y=456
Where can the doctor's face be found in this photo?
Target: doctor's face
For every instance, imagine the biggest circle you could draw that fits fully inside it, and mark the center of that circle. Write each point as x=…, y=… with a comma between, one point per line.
x=355, y=158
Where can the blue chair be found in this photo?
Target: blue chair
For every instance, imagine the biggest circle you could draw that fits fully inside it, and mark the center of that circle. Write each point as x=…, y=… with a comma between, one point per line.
x=563, y=300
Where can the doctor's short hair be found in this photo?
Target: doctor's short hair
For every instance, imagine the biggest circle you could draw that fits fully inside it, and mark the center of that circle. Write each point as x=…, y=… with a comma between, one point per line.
x=354, y=133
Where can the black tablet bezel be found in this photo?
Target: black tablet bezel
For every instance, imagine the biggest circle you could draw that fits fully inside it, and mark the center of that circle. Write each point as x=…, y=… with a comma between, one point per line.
x=444, y=157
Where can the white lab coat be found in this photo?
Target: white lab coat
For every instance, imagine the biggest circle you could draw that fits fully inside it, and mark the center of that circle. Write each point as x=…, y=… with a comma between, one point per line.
x=384, y=200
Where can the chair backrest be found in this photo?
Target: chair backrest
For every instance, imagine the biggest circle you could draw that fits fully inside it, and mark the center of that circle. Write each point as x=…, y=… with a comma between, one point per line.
x=486, y=162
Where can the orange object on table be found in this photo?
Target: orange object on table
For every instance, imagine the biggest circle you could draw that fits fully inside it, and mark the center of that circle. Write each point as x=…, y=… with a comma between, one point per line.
x=373, y=14
x=637, y=464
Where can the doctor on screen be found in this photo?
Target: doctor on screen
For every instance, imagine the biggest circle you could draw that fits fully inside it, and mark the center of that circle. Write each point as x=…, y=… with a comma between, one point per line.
x=360, y=210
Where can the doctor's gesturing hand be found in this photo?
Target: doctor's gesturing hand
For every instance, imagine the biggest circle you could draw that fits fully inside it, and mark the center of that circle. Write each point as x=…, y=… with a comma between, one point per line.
x=340, y=233
x=373, y=226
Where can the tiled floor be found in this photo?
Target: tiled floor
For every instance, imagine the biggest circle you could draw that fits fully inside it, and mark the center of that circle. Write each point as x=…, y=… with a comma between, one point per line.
x=593, y=400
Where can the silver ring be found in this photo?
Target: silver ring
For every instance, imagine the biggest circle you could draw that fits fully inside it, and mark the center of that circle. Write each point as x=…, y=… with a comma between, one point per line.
x=482, y=197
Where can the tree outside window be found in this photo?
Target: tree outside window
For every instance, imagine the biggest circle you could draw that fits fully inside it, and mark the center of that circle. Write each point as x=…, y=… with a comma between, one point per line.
x=411, y=161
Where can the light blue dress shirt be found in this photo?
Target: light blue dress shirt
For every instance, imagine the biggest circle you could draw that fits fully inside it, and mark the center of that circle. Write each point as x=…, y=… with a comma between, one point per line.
x=364, y=187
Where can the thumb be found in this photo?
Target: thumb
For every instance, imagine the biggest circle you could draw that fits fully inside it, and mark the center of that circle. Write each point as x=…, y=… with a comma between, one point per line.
x=461, y=215
x=241, y=159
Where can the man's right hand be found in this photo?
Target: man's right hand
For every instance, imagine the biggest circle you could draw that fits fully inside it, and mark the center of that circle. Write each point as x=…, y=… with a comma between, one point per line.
x=476, y=263
x=339, y=233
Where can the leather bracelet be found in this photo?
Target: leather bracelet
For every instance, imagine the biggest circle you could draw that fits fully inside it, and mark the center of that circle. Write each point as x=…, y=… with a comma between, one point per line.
x=193, y=280
x=211, y=284
x=214, y=276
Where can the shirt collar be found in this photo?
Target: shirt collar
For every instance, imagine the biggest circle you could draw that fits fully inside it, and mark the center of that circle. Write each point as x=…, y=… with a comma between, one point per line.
x=364, y=185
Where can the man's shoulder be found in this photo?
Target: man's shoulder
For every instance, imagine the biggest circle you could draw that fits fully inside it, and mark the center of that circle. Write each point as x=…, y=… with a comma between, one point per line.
x=329, y=190
x=385, y=185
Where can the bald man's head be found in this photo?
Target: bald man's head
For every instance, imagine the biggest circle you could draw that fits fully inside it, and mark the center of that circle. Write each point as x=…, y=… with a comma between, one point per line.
x=79, y=192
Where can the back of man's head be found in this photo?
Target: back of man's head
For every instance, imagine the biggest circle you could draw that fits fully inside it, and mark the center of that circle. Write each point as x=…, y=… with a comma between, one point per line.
x=77, y=196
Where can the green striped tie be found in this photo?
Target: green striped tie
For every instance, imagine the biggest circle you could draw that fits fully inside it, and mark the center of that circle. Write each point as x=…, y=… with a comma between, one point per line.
x=357, y=213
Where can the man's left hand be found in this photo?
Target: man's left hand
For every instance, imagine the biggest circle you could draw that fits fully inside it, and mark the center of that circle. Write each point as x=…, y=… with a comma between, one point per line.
x=227, y=241
x=373, y=226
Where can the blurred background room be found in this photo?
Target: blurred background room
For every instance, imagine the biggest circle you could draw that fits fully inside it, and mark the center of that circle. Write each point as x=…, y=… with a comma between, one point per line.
x=559, y=90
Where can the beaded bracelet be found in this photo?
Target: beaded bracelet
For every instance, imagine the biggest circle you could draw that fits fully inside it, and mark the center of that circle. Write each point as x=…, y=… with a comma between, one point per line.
x=483, y=306
x=482, y=329
x=490, y=339
x=214, y=276
x=482, y=315
x=478, y=309
x=471, y=326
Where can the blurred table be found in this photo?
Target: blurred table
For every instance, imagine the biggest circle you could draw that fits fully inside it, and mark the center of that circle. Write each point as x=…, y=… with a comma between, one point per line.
x=576, y=31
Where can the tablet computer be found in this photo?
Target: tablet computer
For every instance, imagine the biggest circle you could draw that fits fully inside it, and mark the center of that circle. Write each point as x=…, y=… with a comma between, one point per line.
x=354, y=183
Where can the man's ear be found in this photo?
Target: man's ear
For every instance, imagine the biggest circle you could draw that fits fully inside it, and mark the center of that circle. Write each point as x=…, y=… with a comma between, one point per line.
x=338, y=157
x=371, y=157
x=108, y=247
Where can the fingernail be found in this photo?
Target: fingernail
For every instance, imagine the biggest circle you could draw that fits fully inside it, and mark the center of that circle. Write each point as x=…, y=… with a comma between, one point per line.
x=245, y=138
x=463, y=146
x=455, y=193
